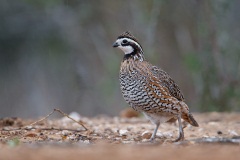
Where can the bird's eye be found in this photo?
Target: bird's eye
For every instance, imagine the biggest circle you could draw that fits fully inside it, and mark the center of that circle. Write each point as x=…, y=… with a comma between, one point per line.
x=124, y=41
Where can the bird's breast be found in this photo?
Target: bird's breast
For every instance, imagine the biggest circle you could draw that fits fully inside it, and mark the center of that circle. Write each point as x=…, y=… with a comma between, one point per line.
x=132, y=82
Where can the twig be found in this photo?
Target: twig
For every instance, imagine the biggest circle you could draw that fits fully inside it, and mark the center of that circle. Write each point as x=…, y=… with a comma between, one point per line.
x=61, y=112
x=66, y=115
x=40, y=119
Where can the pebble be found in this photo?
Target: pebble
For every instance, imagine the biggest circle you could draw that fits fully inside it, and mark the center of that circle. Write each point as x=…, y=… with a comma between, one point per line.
x=31, y=134
x=146, y=135
x=123, y=132
x=232, y=132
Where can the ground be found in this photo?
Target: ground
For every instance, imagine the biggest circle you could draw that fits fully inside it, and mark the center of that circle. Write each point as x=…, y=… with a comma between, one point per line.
x=217, y=137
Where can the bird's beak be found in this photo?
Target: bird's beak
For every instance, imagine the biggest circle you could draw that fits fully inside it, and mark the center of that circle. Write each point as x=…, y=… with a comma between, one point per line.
x=115, y=44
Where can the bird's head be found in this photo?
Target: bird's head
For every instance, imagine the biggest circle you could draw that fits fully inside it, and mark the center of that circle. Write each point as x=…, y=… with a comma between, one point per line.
x=129, y=45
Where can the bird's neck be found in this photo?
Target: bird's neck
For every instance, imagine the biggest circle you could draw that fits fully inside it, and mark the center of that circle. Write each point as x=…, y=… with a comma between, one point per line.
x=136, y=56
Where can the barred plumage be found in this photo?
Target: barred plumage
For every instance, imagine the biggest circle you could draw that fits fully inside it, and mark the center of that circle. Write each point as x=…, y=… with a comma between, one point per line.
x=149, y=89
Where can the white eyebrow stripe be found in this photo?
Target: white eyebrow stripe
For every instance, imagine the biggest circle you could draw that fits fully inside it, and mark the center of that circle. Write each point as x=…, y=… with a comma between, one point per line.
x=130, y=40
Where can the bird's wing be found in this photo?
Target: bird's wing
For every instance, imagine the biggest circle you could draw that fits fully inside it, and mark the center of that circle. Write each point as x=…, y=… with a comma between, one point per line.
x=167, y=82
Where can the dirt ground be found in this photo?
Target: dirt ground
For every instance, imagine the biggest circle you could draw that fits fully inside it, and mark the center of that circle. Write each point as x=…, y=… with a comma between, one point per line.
x=218, y=137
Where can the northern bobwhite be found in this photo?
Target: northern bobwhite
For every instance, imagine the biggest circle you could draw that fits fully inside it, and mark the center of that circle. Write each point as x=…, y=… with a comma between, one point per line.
x=149, y=89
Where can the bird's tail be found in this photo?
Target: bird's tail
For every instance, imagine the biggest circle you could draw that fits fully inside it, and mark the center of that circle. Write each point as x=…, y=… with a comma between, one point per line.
x=187, y=116
x=192, y=121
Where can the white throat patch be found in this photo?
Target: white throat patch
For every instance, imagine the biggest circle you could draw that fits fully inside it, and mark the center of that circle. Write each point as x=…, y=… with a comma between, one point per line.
x=126, y=49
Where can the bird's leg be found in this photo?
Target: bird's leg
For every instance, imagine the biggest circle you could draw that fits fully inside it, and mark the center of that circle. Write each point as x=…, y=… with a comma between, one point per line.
x=155, y=131
x=181, y=133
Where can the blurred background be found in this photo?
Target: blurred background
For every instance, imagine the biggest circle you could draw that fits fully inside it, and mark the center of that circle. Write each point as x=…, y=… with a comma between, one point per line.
x=58, y=53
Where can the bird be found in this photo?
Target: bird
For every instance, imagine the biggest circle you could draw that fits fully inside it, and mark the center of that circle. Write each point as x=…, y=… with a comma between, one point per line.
x=149, y=89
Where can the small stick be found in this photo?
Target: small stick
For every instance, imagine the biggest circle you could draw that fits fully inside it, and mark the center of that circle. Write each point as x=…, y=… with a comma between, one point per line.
x=66, y=115
x=41, y=119
x=61, y=112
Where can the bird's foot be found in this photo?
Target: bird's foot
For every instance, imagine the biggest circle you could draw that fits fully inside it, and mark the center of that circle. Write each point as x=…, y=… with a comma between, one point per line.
x=152, y=139
x=180, y=137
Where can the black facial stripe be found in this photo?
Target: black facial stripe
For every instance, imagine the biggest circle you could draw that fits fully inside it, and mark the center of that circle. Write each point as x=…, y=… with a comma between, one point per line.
x=126, y=44
x=135, y=47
